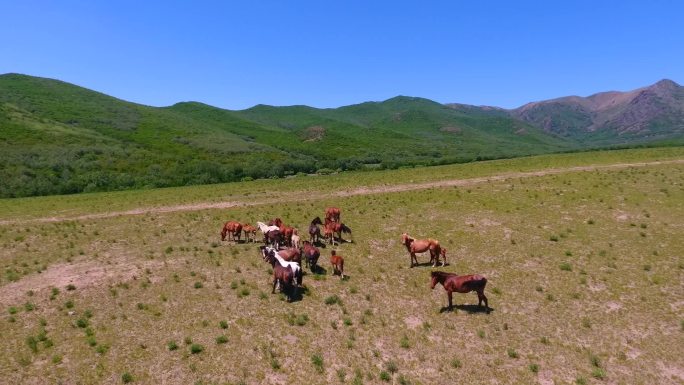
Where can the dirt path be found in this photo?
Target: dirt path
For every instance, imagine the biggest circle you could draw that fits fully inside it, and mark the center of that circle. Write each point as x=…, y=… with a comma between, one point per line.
x=296, y=196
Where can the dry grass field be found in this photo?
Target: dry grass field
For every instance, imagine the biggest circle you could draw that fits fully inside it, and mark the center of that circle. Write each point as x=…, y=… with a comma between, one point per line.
x=585, y=270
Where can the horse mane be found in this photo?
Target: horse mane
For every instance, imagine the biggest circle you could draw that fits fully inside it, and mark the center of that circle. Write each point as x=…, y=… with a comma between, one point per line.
x=442, y=274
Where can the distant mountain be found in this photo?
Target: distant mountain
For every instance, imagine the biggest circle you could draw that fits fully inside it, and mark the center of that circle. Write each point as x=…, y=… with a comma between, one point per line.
x=58, y=138
x=646, y=114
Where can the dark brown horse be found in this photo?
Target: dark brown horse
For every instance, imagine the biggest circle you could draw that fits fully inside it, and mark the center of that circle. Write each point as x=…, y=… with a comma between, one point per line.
x=337, y=262
x=285, y=230
x=272, y=235
x=283, y=276
x=314, y=230
x=311, y=255
x=461, y=284
x=250, y=232
x=332, y=228
x=231, y=228
x=332, y=214
x=422, y=245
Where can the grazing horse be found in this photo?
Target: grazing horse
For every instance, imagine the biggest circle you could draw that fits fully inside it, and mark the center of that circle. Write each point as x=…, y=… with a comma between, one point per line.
x=422, y=245
x=314, y=230
x=250, y=232
x=283, y=276
x=332, y=228
x=231, y=228
x=332, y=214
x=291, y=254
x=311, y=254
x=272, y=234
x=337, y=262
x=461, y=284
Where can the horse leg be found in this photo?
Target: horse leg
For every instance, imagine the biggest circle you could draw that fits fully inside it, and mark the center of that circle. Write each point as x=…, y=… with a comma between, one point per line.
x=482, y=298
x=413, y=257
x=451, y=306
x=275, y=280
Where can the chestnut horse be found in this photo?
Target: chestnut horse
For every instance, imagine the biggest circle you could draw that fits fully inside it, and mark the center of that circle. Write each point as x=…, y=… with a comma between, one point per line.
x=332, y=214
x=283, y=276
x=332, y=228
x=461, y=284
x=422, y=245
x=231, y=228
x=311, y=254
x=291, y=254
x=250, y=232
x=286, y=231
x=314, y=230
x=337, y=262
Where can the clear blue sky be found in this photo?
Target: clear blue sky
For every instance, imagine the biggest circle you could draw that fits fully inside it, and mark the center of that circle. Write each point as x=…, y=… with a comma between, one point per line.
x=327, y=54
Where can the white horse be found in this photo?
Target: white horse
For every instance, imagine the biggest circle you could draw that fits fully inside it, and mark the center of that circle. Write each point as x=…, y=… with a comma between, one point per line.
x=295, y=239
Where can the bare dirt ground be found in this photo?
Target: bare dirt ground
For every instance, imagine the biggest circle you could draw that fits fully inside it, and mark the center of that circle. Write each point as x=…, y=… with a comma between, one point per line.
x=295, y=196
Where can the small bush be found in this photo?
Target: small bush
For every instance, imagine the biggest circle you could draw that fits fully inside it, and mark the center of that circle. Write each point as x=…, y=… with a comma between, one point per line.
x=12, y=310
x=172, y=345
x=57, y=359
x=222, y=339
x=70, y=287
x=196, y=348
x=565, y=266
x=223, y=325
x=455, y=363
x=317, y=362
x=512, y=353
x=598, y=373
x=553, y=238
x=534, y=368
x=333, y=299
x=32, y=343
x=69, y=304
x=82, y=323
x=198, y=285
x=385, y=376
x=391, y=366
x=404, y=342
x=126, y=378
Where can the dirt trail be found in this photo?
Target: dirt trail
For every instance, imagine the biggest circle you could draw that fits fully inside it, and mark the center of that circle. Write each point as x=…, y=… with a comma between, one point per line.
x=296, y=196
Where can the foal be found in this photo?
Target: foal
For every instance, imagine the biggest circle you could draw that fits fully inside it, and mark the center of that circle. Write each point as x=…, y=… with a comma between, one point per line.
x=337, y=262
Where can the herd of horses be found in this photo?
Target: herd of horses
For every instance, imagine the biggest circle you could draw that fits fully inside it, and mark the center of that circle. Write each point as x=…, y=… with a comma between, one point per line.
x=284, y=251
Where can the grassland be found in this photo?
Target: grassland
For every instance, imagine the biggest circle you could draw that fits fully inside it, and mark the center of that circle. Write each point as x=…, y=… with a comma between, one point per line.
x=585, y=274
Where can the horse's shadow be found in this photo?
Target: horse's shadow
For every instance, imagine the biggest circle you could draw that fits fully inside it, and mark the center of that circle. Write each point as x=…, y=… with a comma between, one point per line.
x=429, y=264
x=470, y=309
x=319, y=270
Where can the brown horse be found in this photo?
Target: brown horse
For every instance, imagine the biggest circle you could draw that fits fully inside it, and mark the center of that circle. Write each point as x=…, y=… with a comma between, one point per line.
x=311, y=255
x=284, y=277
x=332, y=214
x=461, y=284
x=286, y=231
x=314, y=230
x=422, y=245
x=231, y=228
x=291, y=254
x=337, y=262
x=332, y=228
x=250, y=232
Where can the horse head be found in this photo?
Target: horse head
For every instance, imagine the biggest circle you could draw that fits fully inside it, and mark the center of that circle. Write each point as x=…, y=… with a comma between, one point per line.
x=317, y=221
x=434, y=278
x=406, y=240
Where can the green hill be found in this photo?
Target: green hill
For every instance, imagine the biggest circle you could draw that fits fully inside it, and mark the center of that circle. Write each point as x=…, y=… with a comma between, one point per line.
x=58, y=138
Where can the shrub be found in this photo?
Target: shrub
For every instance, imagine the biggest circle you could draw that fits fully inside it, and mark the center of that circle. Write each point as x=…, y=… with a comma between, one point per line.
x=82, y=323
x=222, y=339
x=126, y=378
x=385, y=376
x=172, y=345
x=534, y=368
x=456, y=363
x=223, y=324
x=317, y=362
x=404, y=342
x=196, y=348
x=565, y=266
x=198, y=285
x=553, y=238
x=12, y=310
x=333, y=299
x=70, y=287
x=598, y=373
x=32, y=343
x=512, y=353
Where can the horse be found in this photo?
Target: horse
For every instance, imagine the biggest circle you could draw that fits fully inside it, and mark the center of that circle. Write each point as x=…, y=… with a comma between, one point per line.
x=287, y=233
x=314, y=230
x=231, y=228
x=250, y=232
x=333, y=214
x=294, y=264
x=283, y=276
x=461, y=284
x=337, y=262
x=291, y=254
x=311, y=254
x=272, y=234
x=295, y=239
x=422, y=245
x=331, y=228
